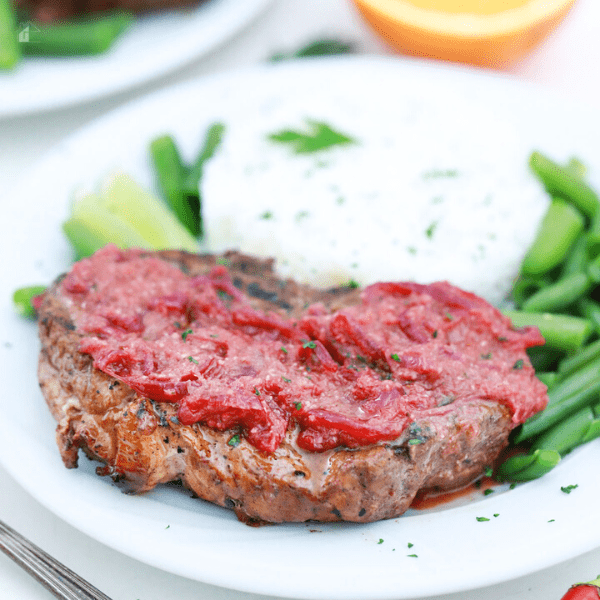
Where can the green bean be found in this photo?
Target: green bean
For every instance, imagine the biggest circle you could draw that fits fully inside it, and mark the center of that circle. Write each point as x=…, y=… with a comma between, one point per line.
x=571, y=432
x=577, y=259
x=525, y=287
x=561, y=332
x=591, y=311
x=576, y=167
x=543, y=358
x=560, y=181
x=558, y=409
x=559, y=229
x=90, y=35
x=171, y=173
x=10, y=50
x=191, y=184
x=559, y=295
x=570, y=364
x=526, y=467
x=549, y=378
x=22, y=299
x=213, y=138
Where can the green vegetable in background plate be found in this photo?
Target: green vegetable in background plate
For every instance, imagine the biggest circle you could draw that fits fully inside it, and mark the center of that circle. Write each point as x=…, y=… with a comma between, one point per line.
x=10, y=51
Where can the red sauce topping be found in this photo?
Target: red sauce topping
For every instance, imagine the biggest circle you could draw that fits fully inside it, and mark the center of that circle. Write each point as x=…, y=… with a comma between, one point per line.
x=353, y=377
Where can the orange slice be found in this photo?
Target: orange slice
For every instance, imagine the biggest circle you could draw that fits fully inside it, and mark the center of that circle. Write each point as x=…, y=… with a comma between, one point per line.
x=492, y=33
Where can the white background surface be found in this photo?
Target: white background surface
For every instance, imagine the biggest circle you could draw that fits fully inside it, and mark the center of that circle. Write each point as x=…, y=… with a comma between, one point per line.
x=568, y=64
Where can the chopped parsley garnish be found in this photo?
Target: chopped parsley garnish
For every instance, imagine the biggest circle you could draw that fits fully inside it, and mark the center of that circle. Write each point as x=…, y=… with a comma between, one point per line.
x=486, y=356
x=415, y=441
x=380, y=541
x=519, y=364
x=319, y=136
x=352, y=284
x=413, y=555
x=325, y=47
x=185, y=334
x=256, y=391
x=482, y=519
x=311, y=344
x=234, y=440
x=266, y=215
x=192, y=359
x=489, y=471
x=284, y=349
x=395, y=357
x=488, y=491
x=435, y=333
x=568, y=488
x=410, y=544
x=298, y=405
x=431, y=230
x=286, y=379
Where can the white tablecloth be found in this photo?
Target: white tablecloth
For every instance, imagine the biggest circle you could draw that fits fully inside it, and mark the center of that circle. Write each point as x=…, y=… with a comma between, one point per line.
x=568, y=63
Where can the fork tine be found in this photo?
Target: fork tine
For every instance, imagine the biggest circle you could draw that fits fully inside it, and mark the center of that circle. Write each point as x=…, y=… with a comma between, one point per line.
x=56, y=577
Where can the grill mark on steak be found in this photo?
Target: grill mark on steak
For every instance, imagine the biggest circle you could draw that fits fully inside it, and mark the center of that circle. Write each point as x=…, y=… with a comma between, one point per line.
x=142, y=444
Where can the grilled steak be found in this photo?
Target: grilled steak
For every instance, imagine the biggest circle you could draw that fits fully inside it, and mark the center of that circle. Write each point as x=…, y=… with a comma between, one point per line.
x=275, y=399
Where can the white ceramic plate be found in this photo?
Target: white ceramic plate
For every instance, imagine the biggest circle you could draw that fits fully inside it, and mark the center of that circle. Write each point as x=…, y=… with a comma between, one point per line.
x=154, y=46
x=537, y=524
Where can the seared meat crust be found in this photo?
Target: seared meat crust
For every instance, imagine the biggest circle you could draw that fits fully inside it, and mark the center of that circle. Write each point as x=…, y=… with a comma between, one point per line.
x=141, y=443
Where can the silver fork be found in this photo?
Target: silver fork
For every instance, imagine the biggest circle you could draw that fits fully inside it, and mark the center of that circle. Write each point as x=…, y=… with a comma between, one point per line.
x=53, y=575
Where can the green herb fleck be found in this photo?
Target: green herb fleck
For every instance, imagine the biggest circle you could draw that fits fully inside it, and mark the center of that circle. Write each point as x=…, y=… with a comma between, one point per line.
x=311, y=344
x=266, y=215
x=449, y=316
x=489, y=471
x=569, y=488
x=326, y=47
x=256, y=391
x=415, y=441
x=496, y=514
x=410, y=544
x=435, y=333
x=380, y=541
x=551, y=521
x=286, y=379
x=284, y=349
x=192, y=359
x=319, y=136
x=488, y=491
x=413, y=555
x=486, y=356
x=352, y=284
x=298, y=405
x=395, y=357
x=234, y=440
x=482, y=519
x=519, y=364
x=431, y=230
x=185, y=334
